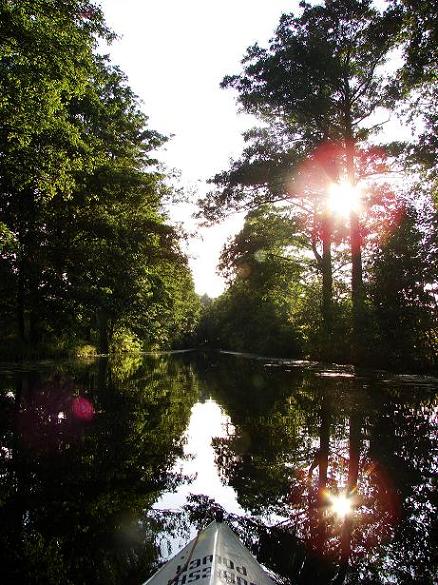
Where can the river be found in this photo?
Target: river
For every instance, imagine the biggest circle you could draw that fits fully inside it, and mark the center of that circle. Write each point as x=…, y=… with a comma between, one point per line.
x=328, y=473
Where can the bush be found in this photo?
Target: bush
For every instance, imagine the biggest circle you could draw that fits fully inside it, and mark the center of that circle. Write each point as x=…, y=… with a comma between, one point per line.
x=124, y=341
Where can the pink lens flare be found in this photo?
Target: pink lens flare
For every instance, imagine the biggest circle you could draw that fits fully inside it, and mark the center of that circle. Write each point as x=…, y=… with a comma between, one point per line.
x=82, y=409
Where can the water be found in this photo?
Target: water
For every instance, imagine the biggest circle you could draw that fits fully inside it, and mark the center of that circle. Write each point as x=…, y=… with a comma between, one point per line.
x=328, y=474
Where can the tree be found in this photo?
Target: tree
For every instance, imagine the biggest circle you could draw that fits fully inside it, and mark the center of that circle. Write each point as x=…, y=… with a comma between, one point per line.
x=415, y=33
x=403, y=288
x=120, y=244
x=46, y=61
x=88, y=249
x=264, y=269
x=317, y=84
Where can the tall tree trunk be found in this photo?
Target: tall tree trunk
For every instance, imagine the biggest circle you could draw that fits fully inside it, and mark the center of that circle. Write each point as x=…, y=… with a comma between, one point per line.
x=24, y=323
x=21, y=276
x=102, y=321
x=29, y=270
x=327, y=284
x=21, y=304
x=329, y=161
x=357, y=290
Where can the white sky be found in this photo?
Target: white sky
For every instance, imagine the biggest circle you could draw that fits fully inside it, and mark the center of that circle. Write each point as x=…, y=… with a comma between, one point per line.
x=175, y=53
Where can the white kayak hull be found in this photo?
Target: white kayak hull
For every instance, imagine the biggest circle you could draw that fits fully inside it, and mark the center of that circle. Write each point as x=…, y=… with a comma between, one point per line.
x=215, y=557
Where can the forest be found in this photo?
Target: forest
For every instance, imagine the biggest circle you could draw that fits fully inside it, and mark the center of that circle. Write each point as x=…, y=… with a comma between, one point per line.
x=89, y=258
x=337, y=259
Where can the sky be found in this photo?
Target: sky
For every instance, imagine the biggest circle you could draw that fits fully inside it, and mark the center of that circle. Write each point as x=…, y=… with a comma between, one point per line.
x=175, y=54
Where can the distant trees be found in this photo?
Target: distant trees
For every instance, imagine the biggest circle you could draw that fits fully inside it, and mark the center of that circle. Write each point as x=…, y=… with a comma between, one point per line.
x=85, y=246
x=315, y=87
x=319, y=91
x=261, y=265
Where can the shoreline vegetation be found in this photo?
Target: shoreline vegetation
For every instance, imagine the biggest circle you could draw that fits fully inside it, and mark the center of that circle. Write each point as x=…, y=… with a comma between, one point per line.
x=336, y=261
x=347, y=369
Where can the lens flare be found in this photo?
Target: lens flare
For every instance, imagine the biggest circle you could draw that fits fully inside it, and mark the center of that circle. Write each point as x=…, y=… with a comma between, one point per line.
x=82, y=409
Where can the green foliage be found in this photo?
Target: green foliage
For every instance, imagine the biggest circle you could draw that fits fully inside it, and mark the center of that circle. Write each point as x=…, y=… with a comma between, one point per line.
x=6, y=237
x=306, y=72
x=273, y=303
x=267, y=247
x=241, y=321
x=84, y=242
x=417, y=33
x=315, y=84
x=403, y=287
x=315, y=89
x=414, y=87
x=316, y=343
x=123, y=341
x=264, y=265
x=85, y=351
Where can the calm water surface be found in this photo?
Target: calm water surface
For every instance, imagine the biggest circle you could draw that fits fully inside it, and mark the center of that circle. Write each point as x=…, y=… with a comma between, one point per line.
x=328, y=474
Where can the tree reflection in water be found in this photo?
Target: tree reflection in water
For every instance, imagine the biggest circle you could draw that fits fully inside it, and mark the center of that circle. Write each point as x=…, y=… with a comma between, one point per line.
x=305, y=436
x=85, y=451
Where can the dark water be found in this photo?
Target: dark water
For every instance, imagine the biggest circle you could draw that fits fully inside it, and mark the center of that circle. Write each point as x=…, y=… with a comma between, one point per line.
x=328, y=475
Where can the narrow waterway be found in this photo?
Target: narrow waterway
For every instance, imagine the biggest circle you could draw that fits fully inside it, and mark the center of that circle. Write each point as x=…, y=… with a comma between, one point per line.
x=106, y=467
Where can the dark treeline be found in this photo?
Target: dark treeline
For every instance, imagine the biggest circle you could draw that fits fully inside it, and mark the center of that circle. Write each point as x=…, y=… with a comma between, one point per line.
x=312, y=274
x=88, y=258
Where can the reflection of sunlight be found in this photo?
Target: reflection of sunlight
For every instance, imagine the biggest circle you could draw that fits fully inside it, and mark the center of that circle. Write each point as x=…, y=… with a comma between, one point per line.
x=341, y=505
x=343, y=198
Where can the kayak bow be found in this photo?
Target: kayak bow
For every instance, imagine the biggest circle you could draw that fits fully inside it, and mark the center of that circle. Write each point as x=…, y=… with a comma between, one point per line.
x=214, y=557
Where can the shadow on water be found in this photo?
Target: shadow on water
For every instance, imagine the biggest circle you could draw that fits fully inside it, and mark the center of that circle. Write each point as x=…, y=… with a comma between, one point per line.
x=335, y=470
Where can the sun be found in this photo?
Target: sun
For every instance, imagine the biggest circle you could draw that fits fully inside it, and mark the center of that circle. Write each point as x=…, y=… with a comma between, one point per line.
x=341, y=505
x=343, y=198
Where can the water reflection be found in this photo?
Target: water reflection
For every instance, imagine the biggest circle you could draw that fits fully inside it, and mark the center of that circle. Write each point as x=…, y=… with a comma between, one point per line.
x=329, y=474
x=303, y=441
x=85, y=450
x=208, y=423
